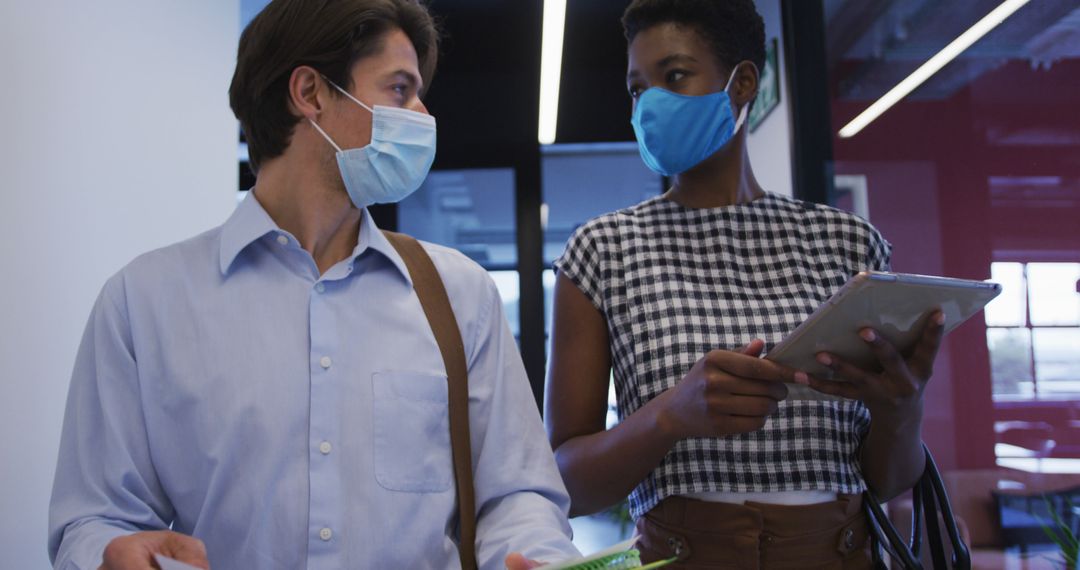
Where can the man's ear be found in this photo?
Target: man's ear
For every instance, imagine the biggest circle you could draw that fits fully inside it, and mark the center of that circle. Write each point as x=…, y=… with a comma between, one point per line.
x=308, y=93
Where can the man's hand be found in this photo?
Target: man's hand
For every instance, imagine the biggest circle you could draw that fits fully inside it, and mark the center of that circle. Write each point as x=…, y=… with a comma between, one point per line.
x=136, y=551
x=515, y=561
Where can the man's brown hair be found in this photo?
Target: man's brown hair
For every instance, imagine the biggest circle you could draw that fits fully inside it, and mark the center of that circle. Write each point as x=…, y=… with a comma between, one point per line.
x=327, y=35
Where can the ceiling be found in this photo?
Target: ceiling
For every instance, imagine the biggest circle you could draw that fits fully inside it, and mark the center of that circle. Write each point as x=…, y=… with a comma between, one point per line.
x=874, y=44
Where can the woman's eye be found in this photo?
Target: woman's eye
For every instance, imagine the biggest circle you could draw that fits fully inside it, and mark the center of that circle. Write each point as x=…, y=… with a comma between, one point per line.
x=675, y=76
x=400, y=89
x=635, y=91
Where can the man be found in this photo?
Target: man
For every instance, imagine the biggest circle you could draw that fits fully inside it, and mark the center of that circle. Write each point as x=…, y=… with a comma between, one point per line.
x=269, y=394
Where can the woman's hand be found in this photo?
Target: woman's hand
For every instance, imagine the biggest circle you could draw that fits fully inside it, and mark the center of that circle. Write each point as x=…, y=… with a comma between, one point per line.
x=895, y=392
x=892, y=456
x=725, y=393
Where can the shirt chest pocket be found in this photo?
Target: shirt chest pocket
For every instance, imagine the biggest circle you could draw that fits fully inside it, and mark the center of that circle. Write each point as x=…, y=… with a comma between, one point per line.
x=412, y=432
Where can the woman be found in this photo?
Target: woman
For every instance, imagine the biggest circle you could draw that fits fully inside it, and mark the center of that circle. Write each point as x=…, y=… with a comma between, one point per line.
x=729, y=460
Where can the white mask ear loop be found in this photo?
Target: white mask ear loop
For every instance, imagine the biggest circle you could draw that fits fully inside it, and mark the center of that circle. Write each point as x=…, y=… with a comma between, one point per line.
x=742, y=116
x=354, y=100
x=745, y=108
x=349, y=95
x=325, y=136
x=731, y=78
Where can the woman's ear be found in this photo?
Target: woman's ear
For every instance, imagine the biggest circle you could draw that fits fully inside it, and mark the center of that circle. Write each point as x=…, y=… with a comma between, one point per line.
x=307, y=92
x=744, y=87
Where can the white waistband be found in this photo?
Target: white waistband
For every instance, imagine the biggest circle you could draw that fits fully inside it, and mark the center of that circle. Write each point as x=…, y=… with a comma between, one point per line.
x=777, y=498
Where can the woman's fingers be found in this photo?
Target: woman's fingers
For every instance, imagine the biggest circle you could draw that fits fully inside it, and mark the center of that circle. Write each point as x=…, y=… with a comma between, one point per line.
x=834, y=388
x=721, y=383
x=892, y=362
x=753, y=348
x=900, y=377
x=844, y=370
x=746, y=366
x=922, y=358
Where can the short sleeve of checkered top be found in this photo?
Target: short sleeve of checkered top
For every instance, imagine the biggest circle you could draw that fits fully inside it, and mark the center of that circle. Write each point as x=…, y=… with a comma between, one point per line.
x=586, y=258
x=674, y=282
x=879, y=256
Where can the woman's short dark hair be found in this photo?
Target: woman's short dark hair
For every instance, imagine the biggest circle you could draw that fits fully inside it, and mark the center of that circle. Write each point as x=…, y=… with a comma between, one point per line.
x=328, y=35
x=733, y=28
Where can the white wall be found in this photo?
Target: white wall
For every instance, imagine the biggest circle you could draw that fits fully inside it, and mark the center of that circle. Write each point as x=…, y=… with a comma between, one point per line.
x=117, y=138
x=770, y=144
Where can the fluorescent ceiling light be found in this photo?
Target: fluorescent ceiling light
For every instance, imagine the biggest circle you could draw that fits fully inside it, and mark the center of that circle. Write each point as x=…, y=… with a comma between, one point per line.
x=932, y=66
x=551, y=68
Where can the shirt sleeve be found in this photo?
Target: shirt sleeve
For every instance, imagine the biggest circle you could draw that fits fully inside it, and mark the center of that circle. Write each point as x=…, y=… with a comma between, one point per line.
x=522, y=503
x=105, y=484
x=583, y=261
x=878, y=252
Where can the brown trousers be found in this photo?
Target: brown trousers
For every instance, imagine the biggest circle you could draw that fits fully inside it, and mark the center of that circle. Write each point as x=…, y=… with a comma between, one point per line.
x=705, y=535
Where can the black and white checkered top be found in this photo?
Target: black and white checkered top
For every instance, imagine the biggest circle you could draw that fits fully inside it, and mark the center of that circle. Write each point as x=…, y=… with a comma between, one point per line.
x=674, y=283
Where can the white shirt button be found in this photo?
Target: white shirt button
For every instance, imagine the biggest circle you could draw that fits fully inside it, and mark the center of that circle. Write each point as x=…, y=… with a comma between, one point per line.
x=282, y=239
x=325, y=362
x=326, y=534
x=320, y=287
x=325, y=448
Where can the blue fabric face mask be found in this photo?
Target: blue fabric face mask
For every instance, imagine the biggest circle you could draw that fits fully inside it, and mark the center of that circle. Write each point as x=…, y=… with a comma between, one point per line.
x=676, y=132
x=397, y=160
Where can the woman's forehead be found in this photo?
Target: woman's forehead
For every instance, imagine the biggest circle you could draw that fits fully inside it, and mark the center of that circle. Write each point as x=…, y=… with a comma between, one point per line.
x=666, y=43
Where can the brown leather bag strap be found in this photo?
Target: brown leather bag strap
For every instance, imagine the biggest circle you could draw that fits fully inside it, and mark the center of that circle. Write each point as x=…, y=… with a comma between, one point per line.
x=440, y=315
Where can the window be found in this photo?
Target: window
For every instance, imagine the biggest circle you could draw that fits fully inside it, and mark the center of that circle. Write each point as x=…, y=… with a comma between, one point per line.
x=964, y=175
x=471, y=211
x=1033, y=331
x=581, y=182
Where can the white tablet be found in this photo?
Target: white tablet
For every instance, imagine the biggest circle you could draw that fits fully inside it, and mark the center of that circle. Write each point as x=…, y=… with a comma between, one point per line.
x=896, y=305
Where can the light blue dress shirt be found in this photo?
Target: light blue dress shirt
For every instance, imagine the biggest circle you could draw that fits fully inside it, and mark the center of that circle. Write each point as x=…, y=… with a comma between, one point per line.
x=291, y=420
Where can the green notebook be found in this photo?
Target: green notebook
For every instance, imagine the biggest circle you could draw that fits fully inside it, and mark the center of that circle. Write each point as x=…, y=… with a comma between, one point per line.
x=619, y=557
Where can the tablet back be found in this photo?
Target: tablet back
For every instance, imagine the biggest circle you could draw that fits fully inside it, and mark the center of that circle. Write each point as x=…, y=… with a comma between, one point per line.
x=894, y=304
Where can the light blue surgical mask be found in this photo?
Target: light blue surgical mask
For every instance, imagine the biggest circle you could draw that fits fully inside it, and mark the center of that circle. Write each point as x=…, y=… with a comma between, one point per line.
x=677, y=132
x=397, y=160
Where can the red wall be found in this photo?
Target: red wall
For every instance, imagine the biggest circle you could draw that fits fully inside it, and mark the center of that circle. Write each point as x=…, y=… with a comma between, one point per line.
x=928, y=165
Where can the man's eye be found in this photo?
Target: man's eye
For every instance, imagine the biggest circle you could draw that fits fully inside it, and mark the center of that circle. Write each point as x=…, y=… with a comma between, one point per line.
x=635, y=91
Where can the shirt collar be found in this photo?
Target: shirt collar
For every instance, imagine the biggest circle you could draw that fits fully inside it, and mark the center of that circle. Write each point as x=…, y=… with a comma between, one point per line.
x=371, y=236
x=250, y=222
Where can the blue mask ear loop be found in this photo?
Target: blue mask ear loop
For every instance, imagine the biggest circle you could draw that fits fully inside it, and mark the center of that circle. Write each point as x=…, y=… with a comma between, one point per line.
x=745, y=108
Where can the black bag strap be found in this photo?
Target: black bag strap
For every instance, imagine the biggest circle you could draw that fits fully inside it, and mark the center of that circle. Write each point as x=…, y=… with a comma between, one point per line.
x=929, y=500
x=440, y=315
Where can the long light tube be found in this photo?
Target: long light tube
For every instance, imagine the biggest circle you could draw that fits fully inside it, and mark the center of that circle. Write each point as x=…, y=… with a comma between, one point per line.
x=932, y=66
x=551, y=68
